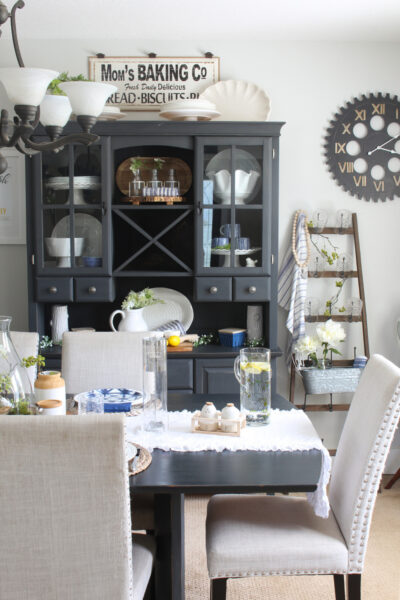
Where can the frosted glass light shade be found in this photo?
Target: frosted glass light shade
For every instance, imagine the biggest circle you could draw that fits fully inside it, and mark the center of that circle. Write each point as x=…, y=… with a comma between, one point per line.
x=55, y=110
x=25, y=85
x=87, y=97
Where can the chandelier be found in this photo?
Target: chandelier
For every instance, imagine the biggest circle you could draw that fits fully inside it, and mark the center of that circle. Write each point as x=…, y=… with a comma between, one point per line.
x=26, y=89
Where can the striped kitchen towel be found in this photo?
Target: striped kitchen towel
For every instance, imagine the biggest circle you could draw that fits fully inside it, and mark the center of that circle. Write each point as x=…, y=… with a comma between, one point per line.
x=171, y=325
x=292, y=287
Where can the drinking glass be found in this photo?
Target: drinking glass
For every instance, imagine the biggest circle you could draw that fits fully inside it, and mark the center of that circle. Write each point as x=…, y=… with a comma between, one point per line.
x=253, y=372
x=155, y=411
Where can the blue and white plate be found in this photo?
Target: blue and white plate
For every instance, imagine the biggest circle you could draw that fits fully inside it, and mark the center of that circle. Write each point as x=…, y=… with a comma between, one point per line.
x=108, y=400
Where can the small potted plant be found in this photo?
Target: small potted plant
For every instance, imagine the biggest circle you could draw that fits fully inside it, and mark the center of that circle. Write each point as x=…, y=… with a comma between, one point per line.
x=328, y=336
x=132, y=310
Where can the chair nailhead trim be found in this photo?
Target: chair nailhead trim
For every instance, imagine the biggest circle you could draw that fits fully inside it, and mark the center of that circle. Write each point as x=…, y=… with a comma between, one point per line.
x=371, y=479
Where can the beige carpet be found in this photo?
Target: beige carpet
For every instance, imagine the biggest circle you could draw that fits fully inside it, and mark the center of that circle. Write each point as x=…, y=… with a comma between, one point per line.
x=380, y=580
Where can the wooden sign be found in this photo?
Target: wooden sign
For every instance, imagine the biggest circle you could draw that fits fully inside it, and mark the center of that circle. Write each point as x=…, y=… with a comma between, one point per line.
x=148, y=83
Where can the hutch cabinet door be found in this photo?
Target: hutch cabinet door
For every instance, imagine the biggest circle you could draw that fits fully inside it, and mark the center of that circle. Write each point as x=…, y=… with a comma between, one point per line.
x=72, y=191
x=215, y=376
x=233, y=179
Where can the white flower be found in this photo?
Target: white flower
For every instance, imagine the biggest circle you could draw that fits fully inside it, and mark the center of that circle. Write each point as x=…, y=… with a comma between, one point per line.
x=330, y=333
x=306, y=345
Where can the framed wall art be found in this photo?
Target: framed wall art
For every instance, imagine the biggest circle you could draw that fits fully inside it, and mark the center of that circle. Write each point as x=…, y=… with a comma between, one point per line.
x=12, y=199
x=146, y=83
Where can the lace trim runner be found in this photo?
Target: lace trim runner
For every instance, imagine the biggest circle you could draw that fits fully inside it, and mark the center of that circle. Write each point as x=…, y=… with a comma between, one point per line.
x=288, y=431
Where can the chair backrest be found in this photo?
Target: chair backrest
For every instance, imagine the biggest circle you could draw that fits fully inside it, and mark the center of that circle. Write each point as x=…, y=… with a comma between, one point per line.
x=64, y=497
x=26, y=344
x=102, y=359
x=362, y=452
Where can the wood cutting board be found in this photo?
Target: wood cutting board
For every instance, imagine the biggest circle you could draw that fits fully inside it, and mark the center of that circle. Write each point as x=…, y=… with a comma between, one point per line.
x=183, y=347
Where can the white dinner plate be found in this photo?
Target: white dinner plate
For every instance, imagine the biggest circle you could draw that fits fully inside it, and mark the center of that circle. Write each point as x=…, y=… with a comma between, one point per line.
x=86, y=226
x=189, y=114
x=238, y=100
x=175, y=307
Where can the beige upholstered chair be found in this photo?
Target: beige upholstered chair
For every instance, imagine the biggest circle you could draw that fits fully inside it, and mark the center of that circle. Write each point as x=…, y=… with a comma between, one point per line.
x=93, y=360
x=26, y=344
x=264, y=535
x=65, y=526
x=102, y=359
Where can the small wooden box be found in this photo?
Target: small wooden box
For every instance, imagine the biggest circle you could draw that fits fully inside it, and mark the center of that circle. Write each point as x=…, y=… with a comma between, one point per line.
x=236, y=425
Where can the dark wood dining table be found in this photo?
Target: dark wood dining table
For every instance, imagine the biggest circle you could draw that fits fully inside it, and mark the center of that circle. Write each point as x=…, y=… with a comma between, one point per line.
x=171, y=475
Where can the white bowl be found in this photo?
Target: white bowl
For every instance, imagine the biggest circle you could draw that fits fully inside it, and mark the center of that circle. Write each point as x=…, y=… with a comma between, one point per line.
x=61, y=246
x=61, y=249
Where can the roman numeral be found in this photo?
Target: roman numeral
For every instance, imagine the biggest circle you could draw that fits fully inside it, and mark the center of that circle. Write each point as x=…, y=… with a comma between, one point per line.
x=379, y=185
x=346, y=167
x=396, y=179
x=340, y=148
x=346, y=128
x=361, y=114
x=361, y=180
x=378, y=109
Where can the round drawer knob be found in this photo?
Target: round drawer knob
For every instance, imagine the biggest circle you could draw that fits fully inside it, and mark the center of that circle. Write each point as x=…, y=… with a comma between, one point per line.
x=252, y=289
x=213, y=289
x=92, y=290
x=53, y=290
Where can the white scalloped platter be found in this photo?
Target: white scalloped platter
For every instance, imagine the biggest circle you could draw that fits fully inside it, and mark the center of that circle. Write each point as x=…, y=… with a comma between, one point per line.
x=238, y=101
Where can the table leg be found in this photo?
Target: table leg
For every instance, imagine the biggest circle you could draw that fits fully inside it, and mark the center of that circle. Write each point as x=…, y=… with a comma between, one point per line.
x=170, y=558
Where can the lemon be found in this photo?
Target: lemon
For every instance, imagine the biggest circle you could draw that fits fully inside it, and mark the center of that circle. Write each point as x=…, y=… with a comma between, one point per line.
x=255, y=367
x=174, y=340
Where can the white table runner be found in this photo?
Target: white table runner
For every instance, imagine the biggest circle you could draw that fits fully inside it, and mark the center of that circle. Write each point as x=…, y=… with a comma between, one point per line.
x=288, y=430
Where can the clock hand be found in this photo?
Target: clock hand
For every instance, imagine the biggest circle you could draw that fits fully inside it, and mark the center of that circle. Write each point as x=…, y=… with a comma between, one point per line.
x=381, y=147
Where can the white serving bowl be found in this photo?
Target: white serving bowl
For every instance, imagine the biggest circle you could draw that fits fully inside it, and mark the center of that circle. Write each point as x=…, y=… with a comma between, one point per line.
x=244, y=185
x=60, y=248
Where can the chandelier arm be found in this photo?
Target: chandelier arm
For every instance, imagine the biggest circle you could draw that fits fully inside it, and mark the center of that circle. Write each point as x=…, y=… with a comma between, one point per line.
x=74, y=138
x=19, y=4
x=24, y=151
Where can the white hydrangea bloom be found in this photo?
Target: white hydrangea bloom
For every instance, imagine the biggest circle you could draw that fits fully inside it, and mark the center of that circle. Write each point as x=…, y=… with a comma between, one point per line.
x=330, y=333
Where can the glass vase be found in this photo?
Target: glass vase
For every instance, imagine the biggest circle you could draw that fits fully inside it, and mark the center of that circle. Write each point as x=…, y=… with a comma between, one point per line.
x=16, y=394
x=155, y=411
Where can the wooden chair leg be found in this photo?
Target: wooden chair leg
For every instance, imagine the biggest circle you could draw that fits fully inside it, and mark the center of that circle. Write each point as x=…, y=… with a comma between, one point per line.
x=395, y=477
x=354, y=586
x=339, y=587
x=218, y=589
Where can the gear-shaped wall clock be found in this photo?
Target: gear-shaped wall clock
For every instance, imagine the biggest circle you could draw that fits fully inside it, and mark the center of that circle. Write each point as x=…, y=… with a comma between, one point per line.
x=362, y=147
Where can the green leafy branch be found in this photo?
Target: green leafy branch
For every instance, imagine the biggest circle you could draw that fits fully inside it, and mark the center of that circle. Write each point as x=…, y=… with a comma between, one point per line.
x=54, y=84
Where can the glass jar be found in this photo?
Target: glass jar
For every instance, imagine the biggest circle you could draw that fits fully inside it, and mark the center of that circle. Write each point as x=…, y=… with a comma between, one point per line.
x=172, y=184
x=136, y=185
x=16, y=395
x=155, y=411
x=253, y=372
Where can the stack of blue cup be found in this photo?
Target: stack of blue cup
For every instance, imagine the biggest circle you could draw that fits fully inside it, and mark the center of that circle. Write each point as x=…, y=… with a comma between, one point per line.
x=360, y=362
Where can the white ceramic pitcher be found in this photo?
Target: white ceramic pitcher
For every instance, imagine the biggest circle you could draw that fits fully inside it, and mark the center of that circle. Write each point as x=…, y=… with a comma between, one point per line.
x=132, y=320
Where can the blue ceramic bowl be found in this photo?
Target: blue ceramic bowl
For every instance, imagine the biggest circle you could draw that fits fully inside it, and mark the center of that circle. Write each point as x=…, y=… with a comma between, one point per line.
x=91, y=261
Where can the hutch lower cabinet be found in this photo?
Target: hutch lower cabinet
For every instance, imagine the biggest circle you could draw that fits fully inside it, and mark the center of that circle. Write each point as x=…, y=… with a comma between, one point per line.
x=197, y=214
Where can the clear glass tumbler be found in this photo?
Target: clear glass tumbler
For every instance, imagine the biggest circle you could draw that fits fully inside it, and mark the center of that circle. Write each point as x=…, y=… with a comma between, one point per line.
x=155, y=411
x=253, y=372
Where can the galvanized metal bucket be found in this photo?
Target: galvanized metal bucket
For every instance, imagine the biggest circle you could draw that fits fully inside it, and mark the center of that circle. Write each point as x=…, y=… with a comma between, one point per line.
x=330, y=381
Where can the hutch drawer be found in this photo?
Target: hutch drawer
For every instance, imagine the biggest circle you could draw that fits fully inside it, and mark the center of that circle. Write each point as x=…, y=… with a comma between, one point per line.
x=213, y=289
x=180, y=374
x=54, y=289
x=94, y=289
x=251, y=288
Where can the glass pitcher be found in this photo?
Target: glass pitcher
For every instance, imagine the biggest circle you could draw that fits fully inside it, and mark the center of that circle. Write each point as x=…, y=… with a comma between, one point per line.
x=155, y=411
x=253, y=372
x=16, y=394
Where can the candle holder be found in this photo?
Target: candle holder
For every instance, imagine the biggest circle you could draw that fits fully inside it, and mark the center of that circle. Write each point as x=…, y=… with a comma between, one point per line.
x=319, y=220
x=343, y=220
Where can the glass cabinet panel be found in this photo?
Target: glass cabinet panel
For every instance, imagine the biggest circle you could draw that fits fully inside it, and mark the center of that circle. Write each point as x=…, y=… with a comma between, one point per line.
x=71, y=225
x=234, y=208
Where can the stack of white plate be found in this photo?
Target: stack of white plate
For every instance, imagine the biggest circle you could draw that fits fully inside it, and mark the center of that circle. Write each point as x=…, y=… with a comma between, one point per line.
x=80, y=182
x=197, y=109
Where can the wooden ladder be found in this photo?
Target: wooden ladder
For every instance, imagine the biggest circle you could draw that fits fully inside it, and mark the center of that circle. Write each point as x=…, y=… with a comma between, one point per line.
x=343, y=318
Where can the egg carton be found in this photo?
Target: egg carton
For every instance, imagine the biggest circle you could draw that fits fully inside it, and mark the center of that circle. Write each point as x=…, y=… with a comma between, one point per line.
x=218, y=426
